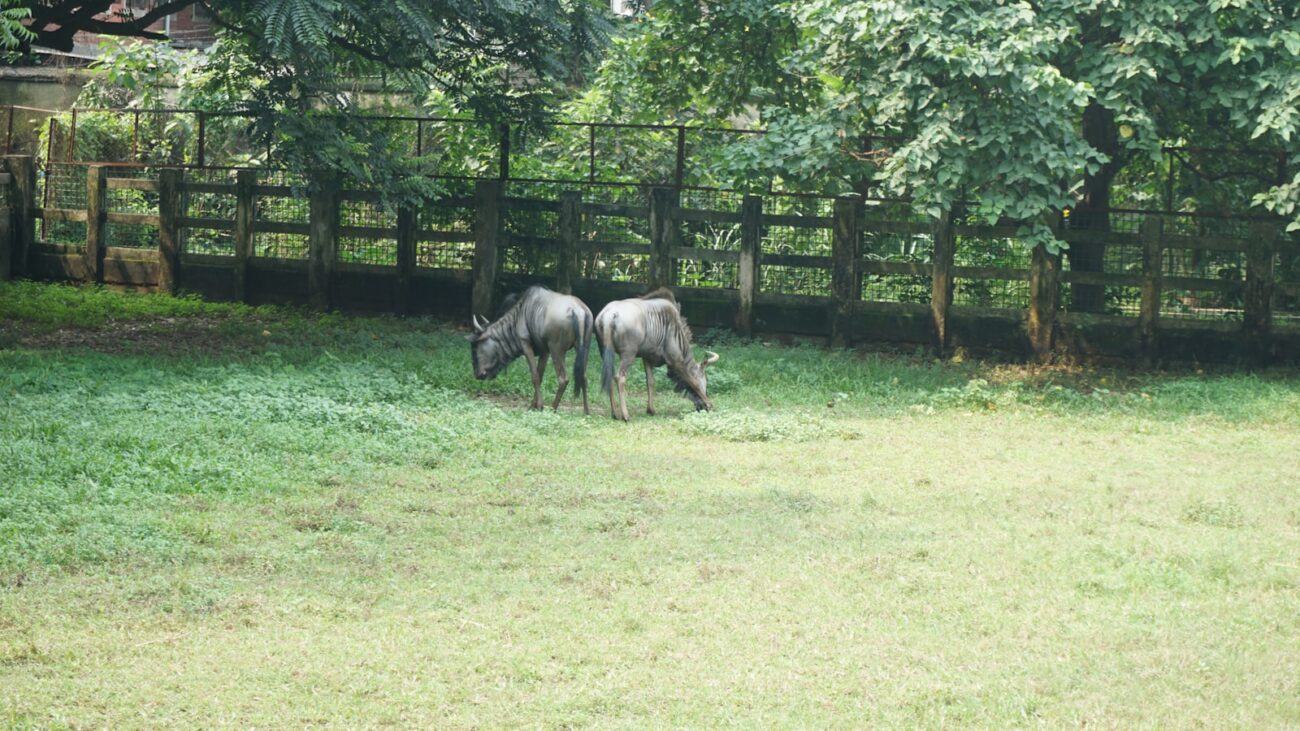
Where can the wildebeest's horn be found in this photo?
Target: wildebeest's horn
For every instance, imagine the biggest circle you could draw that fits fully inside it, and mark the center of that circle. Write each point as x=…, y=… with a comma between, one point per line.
x=710, y=360
x=479, y=324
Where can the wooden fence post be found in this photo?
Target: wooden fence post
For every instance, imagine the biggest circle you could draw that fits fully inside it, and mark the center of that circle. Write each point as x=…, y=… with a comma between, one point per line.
x=941, y=281
x=1152, y=234
x=22, y=202
x=1257, y=320
x=1044, y=295
x=408, y=227
x=322, y=239
x=845, y=245
x=96, y=221
x=245, y=180
x=487, y=233
x=751, y=244
x=169, y=228
x=7, y=244
x=663, y=236
x=570, y=234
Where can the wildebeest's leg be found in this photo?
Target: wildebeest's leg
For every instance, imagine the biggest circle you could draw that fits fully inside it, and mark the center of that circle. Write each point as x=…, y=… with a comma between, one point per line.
x=649, y=388
x=535, y=365
x=625, y=365
x=562, y=378
x=538, y=376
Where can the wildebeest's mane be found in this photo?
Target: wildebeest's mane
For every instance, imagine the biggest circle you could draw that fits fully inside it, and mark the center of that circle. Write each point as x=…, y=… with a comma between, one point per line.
x=513, y=299
x=675, y=326
x=662, y=293
x=507, y=304
x=672, y=324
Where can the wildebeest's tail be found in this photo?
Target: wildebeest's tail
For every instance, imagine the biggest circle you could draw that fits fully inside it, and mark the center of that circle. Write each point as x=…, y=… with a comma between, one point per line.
x=606, y=360
x=583, y=333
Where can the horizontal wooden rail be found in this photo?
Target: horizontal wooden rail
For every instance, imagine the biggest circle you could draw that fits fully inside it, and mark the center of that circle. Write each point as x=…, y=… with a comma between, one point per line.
x=615, y=209
x=132, y=219
x=60, y=215
x=796, y=221
x=1102, y=278
x=53, y=249
x=976, y=231
x=613, y=247
x=792, y=300
x=1202, y=284
x=896, y=227
x=130, y=253
x=910, y=268
x=282, y=227
x=210, y=188
x=521, y=241
x=711, y=255
x=367, y=232
x=446, y=237
x=999, y=273
x=216, y=224
x=530, y=204
x=279, y=191
x=361, y=196
x=132, y=184
x=1105, y=238
x=810, y=261
x=1208, y=243
x=695, y=214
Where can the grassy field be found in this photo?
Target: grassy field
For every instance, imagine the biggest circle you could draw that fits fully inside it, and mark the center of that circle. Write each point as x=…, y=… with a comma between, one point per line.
x=216, y=516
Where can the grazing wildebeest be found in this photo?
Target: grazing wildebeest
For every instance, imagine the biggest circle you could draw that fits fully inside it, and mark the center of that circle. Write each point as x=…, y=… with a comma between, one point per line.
x=652, y=327
x=536, y=324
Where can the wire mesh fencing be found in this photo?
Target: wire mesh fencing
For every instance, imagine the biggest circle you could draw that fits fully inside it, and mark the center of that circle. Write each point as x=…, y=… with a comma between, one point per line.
x=445, y=239
x=707, y=236
x=63, y=186
x=213, y=206
x=809, y=238
x=272, y=208
x=376, y=246
x=894, y=232
x=617, y=241
x=131, y=200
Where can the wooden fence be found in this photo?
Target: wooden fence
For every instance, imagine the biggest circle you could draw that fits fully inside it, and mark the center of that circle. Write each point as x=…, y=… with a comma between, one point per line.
x=844, y=268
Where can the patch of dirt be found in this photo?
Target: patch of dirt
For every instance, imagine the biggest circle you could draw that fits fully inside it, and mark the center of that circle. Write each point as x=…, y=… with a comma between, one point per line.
x=166, y=336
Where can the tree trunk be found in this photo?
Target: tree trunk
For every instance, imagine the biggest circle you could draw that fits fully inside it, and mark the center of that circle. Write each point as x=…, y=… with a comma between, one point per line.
x=1093, y=209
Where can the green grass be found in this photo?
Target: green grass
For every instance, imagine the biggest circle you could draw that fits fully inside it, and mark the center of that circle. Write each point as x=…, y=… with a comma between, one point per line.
x=217, y=516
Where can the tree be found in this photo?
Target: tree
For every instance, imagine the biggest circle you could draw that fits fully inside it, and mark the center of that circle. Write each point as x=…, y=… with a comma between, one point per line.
x=285, y=62
x=1018, y=107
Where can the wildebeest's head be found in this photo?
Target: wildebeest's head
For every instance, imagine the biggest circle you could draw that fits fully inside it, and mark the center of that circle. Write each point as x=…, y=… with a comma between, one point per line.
x=488, y=354
x=694, y=381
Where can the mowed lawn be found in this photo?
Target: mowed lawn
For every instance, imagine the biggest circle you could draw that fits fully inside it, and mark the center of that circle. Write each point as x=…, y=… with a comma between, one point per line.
x=215, y=517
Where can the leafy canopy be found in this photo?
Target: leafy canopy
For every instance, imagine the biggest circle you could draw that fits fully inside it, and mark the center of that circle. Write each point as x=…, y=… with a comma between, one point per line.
x=297, y=65
x=981, y=100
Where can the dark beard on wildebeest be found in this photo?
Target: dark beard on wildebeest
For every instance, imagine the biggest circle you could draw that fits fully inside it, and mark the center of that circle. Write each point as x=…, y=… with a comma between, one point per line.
x=492, y=372
x=680, y=385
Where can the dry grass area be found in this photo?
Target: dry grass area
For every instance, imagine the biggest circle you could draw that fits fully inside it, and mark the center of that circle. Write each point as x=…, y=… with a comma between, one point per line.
x=331, y=524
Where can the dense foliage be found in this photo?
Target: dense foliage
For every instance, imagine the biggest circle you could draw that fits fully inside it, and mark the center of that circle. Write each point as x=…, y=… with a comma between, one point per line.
x=1018, y=107
x=290, y=64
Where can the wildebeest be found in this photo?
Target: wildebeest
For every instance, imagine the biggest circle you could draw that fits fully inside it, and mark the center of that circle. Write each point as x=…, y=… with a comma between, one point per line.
x=536, y=324
x=652, y=327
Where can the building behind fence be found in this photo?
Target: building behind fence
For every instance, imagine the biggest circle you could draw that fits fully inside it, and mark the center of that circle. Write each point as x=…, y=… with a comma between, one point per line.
x=1176, y=285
